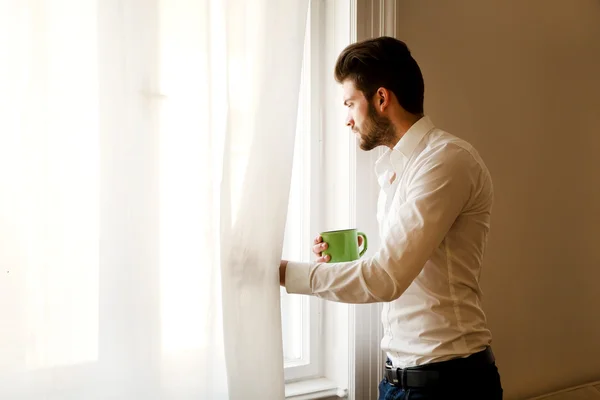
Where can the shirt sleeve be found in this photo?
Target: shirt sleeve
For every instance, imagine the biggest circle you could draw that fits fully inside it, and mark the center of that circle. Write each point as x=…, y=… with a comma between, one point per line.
x=436, y=193
x=297, y=278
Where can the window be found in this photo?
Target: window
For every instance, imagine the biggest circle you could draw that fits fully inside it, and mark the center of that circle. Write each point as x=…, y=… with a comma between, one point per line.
x=331, y=181
x=301, y=315
x=157, y=262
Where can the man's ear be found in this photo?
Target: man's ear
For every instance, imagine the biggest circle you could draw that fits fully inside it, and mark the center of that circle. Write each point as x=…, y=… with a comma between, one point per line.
x=383, y=98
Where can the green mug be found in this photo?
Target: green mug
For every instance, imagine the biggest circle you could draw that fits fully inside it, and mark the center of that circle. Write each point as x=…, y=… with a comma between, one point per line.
x=343, y=245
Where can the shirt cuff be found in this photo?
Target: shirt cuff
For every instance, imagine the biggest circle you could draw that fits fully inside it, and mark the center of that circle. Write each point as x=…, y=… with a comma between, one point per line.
x=297, y=279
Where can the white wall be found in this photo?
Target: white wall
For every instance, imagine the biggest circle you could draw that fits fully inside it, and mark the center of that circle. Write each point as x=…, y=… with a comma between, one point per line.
x=520, y=79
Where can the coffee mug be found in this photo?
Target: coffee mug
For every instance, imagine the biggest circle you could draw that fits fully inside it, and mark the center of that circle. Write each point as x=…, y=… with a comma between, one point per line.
x=343, y=245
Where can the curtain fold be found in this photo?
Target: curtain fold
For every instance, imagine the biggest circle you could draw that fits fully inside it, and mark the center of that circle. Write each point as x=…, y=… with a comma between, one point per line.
x=145, y=162
x=266, y=38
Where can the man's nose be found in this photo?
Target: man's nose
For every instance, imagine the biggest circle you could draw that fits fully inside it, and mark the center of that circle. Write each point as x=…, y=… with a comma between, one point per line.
x=350, y=122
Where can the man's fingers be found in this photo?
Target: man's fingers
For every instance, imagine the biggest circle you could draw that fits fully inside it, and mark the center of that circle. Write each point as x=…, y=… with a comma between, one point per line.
x=360, y=241
x=323, y=259
x=318, y=248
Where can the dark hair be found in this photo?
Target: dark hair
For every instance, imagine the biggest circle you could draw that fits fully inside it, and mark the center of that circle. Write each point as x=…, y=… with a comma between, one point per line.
x=383, y=62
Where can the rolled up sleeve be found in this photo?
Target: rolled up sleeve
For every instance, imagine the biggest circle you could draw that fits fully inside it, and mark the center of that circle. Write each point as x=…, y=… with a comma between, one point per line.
x=297, y=278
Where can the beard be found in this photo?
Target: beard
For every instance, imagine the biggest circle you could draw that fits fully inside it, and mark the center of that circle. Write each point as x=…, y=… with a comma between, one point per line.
x=377, y=130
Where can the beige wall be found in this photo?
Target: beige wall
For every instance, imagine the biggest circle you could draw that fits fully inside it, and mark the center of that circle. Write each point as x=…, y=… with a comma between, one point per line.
x=520, y=79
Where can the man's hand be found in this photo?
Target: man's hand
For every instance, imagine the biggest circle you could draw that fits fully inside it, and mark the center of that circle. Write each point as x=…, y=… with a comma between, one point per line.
x=318, y=246
x=282, y=267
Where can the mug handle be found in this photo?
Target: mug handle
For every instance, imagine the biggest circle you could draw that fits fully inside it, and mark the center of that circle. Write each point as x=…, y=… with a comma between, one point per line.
x=364, y=243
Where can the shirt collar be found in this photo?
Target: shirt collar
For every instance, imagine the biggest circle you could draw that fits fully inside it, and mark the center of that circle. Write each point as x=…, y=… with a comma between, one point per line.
x=393, y=160
x=409, y=141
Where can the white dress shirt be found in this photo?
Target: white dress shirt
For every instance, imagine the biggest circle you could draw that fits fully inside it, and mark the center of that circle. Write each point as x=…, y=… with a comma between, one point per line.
x=434, y=217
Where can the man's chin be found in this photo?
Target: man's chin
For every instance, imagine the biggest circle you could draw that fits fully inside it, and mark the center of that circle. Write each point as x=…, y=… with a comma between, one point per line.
x=366, y=146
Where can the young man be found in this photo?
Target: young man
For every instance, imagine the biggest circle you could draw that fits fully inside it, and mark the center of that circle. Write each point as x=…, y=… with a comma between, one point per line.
x=434, y=217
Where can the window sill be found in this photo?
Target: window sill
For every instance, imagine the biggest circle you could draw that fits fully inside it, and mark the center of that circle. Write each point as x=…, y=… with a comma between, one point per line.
x=317, y=388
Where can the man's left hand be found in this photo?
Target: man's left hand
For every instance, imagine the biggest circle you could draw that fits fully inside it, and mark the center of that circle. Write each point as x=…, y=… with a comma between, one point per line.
x=282, y=267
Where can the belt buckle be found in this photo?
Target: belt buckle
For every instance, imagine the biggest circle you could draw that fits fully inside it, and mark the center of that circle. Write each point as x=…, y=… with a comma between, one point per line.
x=401, y=378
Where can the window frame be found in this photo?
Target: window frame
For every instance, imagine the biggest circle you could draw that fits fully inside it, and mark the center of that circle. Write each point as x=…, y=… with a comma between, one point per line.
x=310, y=365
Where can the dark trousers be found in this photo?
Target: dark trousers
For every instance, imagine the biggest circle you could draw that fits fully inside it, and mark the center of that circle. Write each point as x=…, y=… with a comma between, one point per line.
x=461, y=379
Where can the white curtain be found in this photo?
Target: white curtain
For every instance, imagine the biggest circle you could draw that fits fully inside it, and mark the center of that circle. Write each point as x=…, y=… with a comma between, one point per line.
x=145, y=161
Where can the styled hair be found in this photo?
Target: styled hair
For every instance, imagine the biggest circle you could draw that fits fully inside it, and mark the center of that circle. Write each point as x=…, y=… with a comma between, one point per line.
x=383, y=62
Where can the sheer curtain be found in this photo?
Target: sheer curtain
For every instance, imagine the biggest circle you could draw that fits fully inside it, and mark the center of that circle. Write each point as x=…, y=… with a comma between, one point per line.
x=145, y=162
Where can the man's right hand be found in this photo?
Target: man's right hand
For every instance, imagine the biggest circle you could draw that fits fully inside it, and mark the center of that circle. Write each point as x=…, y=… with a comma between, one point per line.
x=318, y=246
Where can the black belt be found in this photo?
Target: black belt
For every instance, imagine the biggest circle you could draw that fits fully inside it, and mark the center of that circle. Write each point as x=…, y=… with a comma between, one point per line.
x=433, y=374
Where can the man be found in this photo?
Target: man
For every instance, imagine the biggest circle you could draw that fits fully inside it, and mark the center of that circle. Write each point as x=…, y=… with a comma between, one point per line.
x=434, y=217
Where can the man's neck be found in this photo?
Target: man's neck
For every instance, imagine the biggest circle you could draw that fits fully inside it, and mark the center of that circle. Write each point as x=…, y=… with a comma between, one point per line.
x=402, y=124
